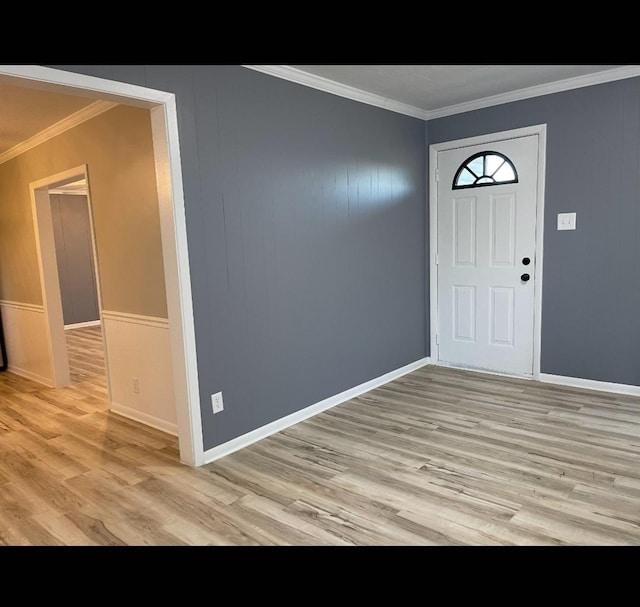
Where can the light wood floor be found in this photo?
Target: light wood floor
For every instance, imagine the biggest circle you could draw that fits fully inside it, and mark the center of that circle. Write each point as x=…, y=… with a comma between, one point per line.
x=437, y=458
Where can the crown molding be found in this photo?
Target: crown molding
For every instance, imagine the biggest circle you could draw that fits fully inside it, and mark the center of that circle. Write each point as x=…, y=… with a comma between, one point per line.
x=342, y=90
x=91, y=111
x=568, y=84
x=324, y=84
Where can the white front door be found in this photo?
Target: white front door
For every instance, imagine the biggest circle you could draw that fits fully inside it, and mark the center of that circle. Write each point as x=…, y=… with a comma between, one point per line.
x=486, y=245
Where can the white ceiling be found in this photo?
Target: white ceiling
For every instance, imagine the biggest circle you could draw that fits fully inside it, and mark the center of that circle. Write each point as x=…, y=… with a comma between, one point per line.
x=27, y=109
x=438, y=89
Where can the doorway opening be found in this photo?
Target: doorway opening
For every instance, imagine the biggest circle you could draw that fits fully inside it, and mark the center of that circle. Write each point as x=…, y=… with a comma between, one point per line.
x=55, y=253
x=180, y=325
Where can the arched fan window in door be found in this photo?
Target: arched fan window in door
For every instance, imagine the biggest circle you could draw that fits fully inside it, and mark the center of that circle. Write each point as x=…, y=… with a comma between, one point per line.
x=485, y=168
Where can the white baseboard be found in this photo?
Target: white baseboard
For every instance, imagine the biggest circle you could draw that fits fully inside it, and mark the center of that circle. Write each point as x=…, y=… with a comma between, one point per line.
x=563, y=380
x=144, y=418
x=447, y=365
x=590, y=384
x=40, y=379
x=82, y=325
x=281, y=424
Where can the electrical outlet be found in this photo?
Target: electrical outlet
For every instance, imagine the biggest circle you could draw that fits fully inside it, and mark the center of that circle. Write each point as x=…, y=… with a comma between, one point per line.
x=136, y=385
x=216, y=402
x=566, y=221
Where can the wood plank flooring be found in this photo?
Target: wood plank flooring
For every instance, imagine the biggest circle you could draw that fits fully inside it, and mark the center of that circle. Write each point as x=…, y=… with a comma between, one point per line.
x=440, y=457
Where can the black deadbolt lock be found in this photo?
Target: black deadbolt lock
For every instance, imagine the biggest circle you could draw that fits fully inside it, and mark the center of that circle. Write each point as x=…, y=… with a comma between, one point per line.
x=525, y=277
x=526, y=261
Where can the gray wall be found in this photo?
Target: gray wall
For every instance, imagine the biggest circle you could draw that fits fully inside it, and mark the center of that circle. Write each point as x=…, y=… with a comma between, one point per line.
x=591, y=291
x=74, y=254
x=306, y=225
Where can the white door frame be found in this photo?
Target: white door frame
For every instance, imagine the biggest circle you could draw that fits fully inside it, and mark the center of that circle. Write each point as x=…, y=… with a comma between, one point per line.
x=164, y=124
x=49, y=277
x=434, y=149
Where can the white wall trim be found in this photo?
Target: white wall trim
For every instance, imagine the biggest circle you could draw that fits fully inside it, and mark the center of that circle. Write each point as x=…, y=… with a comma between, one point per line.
x=175, y=251
x=22, y=306
x=538, y=282
x=285, y=422
x=39, y=379
x=330, y=86
x=539, y=130
x=341, y=90
x=561, y=380
x=91, y=111
x=138, y=319
x=537, y=91
x=68, y=192
x=82, y=325
x=148, y=420
x=590, y=384
x=110, y=90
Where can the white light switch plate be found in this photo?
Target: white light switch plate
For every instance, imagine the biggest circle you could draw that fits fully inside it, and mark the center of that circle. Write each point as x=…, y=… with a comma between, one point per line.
x=566, y=221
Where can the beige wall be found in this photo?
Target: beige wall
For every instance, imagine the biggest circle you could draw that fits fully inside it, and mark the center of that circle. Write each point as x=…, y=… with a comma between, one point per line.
x=117, y=148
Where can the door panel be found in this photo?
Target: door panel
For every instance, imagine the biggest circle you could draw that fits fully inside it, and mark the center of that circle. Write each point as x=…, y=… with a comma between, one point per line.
x=464, y=231
x=485, y=309
x=503, y=230
x=465, y=313
x=502, y=315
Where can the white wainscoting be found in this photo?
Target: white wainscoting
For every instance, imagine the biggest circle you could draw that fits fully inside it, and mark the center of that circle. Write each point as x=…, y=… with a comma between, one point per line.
x=138, y=348
x=27, y=345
